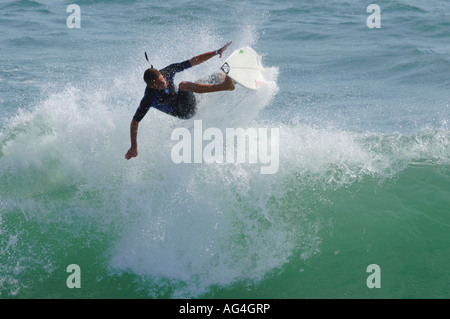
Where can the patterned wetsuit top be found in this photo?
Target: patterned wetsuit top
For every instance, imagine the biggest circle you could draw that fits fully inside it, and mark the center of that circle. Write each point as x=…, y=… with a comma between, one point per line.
x=167, y=100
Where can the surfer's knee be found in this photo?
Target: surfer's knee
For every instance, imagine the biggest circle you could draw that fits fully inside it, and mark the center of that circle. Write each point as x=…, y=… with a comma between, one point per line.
x=229, y=84
x=187, y=115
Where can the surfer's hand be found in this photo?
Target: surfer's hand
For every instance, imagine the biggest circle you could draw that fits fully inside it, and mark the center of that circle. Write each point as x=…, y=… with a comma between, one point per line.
x=132, y=152
x=221, y=50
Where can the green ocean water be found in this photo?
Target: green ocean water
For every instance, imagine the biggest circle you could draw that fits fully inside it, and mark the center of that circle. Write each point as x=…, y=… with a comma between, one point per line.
x=363, y=178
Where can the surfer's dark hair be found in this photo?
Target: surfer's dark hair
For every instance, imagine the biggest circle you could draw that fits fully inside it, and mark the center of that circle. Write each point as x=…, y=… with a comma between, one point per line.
x=151, y=75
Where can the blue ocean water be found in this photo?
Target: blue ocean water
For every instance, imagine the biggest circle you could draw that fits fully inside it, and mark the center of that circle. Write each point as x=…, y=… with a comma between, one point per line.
x=364, y=173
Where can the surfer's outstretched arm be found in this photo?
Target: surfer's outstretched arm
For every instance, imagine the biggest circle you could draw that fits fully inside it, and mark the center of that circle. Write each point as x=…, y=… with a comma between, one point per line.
x=208, y=55
x=133, y=152
x=226, y=85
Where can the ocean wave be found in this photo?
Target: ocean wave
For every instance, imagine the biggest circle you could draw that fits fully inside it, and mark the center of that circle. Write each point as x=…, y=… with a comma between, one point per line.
x=189, y=226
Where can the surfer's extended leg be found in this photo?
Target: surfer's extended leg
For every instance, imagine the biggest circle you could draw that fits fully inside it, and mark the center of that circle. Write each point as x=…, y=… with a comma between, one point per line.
x=226, y=85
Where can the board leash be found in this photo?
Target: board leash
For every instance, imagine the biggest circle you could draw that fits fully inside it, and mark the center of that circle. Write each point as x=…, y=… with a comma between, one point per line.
x=146, y=57
x=234, y=105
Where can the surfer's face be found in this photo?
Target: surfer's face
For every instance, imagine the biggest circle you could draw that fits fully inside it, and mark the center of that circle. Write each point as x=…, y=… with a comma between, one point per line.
x=159, y=83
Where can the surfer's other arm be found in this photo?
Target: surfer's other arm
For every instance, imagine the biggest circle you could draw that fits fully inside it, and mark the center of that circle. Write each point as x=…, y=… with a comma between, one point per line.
x=208, y=55
x=133, y=152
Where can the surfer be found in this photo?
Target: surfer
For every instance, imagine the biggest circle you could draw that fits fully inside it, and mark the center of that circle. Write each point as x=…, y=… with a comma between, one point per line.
x=161, y=93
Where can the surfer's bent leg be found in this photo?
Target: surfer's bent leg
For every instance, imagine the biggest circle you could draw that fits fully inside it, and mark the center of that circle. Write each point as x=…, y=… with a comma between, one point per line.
x=214, y=78
x=226, y=85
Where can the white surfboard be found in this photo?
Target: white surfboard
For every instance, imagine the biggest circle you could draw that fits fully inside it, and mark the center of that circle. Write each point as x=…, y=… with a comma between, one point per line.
x=245, y=68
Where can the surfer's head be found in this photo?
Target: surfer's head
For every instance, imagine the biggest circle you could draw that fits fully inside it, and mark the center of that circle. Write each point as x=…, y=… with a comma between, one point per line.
x=154, y=79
